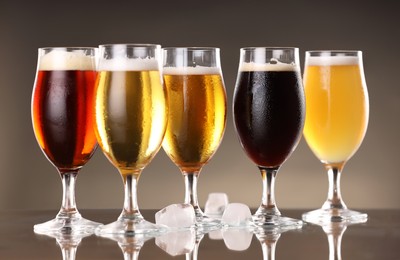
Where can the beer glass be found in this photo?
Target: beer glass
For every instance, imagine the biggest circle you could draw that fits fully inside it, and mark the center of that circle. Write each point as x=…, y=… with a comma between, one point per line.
x=268, y=113
x=62, y=116
x=336, y=122
x=131, y=117
x=197, y=115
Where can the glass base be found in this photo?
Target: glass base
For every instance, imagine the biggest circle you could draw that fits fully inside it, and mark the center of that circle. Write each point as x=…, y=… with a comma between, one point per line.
x=129, y=227
x=321, y=216
x=276, y=222
x=207, y=223
x=66, y=225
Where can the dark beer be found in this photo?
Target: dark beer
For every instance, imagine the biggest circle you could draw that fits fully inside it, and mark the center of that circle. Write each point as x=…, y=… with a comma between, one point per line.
x=63, y=116
x=269, y=111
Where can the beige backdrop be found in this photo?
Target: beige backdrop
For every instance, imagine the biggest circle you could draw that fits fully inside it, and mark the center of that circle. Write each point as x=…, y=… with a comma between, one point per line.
x=370, y=180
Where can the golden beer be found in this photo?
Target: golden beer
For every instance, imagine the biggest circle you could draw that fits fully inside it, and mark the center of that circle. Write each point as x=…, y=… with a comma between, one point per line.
x=337, y=107
x=196, y=119
x=130, y=117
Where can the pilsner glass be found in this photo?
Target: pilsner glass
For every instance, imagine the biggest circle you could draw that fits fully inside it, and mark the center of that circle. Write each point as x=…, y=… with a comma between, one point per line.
x=62, y=116
x=269, y=110
x=131, y=114
x=197, y=114
x=336, y=122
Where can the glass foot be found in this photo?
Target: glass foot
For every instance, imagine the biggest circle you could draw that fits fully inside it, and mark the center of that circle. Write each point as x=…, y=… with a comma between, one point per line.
x=334, y=215
x=74, y=225
x=130, y=227
x=206, y=223
x=276, y=222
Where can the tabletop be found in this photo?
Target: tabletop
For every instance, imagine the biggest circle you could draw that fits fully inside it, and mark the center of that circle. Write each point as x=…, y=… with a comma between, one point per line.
x=378, y=238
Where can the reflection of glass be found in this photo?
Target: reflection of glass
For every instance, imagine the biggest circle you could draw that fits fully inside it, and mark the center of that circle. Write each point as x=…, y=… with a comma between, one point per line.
x=68, y=243
x=269, y=110
x=336, y=122
x=62, y=115
x=197, y=114
x=130, y=109
x=130, y=245
x=268, y=239
x=181, y=242
x=334, y=232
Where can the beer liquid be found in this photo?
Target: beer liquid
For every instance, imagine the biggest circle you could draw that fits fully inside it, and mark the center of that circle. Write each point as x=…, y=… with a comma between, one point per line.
x=197, y=118
x=269, y=112
x=63, y=116
x=130, y=117
x=337, y=111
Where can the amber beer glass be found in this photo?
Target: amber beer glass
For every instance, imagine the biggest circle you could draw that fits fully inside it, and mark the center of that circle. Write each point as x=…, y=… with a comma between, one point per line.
x=197, y=114
x=268, y=112
x=131, y=117
x=63, y=118
x=336, y=122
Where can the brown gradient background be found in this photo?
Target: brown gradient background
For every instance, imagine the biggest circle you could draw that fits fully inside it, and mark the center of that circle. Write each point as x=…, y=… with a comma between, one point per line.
x=370, y=180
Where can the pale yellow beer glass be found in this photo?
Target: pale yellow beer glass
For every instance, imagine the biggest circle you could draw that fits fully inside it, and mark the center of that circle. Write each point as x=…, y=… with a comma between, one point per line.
x=337, y=110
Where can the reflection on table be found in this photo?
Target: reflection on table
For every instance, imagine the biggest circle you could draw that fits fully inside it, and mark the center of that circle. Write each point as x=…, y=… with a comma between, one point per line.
x=377, y=239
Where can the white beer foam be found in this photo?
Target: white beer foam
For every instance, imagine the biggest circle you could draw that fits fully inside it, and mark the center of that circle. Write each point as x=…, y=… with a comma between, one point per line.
x=278, y=66
x=198, y=70
x=332, y=60
x=60, y=60
x=126, y=64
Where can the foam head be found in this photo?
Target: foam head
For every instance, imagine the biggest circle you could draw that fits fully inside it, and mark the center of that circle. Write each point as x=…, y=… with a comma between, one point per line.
x=61, y=60
x=273, y=65
x=331, y=60
x=198, y=70
x=128, y=64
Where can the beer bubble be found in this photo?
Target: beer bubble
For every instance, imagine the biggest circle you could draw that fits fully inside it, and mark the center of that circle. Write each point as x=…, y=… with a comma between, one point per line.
x=197, y=70
x=331, y=60
x=128, y=64
x=273, y=65
x=61, y=60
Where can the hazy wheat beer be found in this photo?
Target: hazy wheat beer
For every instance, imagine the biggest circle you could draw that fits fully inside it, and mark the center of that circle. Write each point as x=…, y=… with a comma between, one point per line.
x=130, y=111
x=63, y=108
x=197, y=115
x=337, y=106
x=269, y=111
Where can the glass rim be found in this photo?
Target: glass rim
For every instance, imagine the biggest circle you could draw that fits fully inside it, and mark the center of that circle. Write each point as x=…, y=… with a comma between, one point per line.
x=73, y=48
x=268, y=48
x=333, y=52
x=135, y=45
x=191, y=48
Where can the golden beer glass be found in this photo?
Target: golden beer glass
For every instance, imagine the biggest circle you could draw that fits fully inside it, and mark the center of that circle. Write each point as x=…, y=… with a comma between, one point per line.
x=197, y=115
x=131, y=114
x=337, y=117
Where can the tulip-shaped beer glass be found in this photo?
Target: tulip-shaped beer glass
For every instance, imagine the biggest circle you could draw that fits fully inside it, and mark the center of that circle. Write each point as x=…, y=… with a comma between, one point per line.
x=197, y=114
x=131, y=114
x=336, y=122
x=63, y=118
x=269, y=110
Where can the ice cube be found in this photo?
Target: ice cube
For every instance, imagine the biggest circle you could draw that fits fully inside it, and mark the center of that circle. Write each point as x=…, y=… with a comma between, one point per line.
x=177, y=242
x=215, y=234
x=215, y=204
x=236, y=215
x=176, y=216
x=237, y=239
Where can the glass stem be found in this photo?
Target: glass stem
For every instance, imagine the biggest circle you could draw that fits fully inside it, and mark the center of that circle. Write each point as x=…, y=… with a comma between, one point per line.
x=191, y=179
x=268, y=204
x=68, y=206
x=131, y=207
x=335, y=244
x=268, y=250
x=334, y=200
